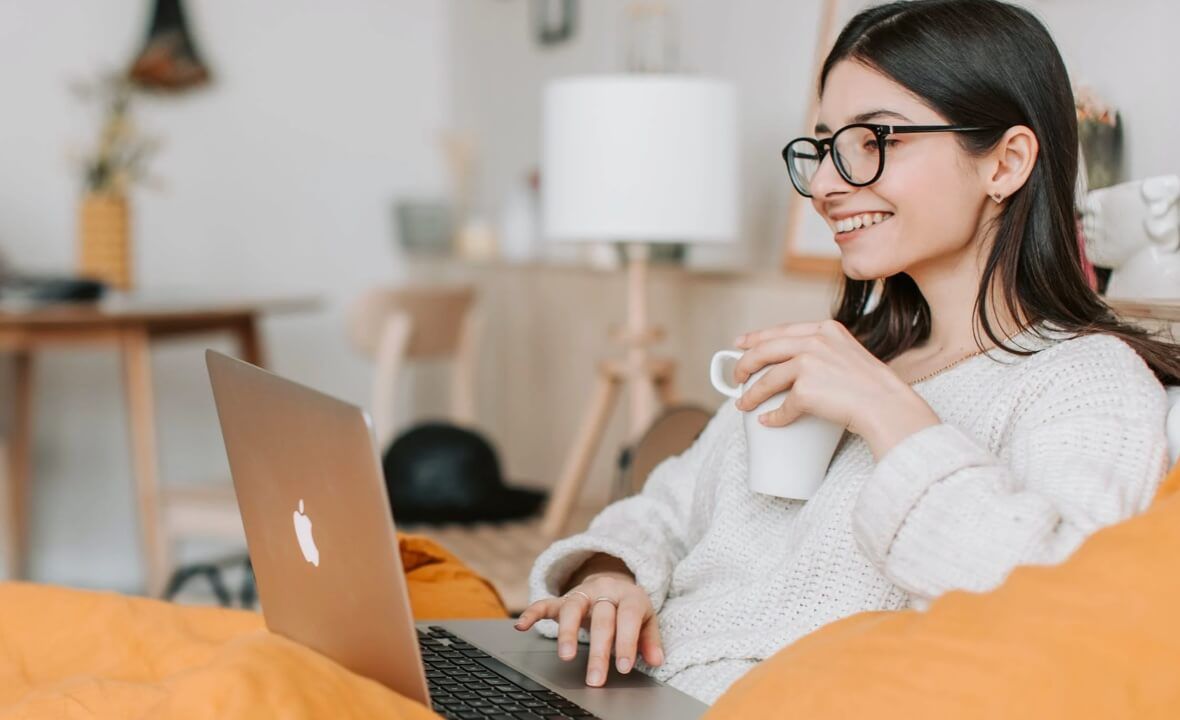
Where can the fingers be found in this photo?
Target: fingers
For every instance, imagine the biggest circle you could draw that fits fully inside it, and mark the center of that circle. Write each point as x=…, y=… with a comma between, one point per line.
x=602, y=636
x=650, y=643
x=800, y=329
x=784, y=414
x=569, y=619
x=631, y=614
x=770, y=352
x=779, y=378
x=540, y=610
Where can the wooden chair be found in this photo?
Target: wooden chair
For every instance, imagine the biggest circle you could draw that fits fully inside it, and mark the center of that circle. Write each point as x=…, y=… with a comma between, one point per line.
x=395, y=326
x=671, y=433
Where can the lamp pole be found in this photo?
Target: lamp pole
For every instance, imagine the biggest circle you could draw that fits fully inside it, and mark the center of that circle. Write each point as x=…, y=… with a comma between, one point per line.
x=641, y=391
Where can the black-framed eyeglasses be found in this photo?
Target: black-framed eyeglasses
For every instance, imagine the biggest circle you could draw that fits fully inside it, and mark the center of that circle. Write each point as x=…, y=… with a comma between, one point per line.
x=858, y=152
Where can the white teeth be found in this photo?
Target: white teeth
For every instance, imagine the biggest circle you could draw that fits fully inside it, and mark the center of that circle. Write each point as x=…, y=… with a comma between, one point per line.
x=859, y=221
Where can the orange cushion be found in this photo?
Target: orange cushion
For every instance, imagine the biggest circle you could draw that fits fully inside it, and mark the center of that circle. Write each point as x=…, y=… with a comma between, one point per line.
x=75, y=654
x=442, y=587
x=1097, y=636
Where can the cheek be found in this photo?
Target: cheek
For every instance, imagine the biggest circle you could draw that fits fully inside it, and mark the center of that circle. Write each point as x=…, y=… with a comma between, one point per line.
x=935, y=203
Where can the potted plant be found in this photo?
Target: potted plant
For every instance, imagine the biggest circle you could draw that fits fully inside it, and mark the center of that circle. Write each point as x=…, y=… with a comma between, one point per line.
x=1100, y=134
x=117, y=159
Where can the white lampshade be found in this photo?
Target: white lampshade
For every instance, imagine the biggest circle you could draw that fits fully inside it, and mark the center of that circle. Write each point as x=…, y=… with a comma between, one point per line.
x=640, y=158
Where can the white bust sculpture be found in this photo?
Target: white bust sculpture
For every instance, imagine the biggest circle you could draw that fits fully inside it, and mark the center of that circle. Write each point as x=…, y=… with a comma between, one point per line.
x=1134, y=228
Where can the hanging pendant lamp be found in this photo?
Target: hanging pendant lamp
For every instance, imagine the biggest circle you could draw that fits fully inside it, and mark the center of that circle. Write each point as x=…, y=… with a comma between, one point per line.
x=169, y=60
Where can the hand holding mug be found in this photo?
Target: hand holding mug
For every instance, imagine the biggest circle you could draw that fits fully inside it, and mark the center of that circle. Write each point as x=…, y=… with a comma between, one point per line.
x=832, y=376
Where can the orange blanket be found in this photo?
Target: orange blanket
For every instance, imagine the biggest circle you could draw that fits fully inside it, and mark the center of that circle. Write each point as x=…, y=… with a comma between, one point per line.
x=73, y=654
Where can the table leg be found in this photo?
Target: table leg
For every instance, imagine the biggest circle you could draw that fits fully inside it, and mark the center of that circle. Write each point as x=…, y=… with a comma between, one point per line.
x=137, y=383
x=19, y=454
x=250, y=341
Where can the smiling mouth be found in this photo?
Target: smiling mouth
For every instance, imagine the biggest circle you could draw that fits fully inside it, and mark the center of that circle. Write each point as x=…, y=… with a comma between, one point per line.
x=846, y=226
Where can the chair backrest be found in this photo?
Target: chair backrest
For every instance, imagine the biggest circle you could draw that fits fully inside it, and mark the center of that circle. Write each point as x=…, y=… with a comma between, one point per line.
x=438, y=317
x=396, y=325
x=673, y=432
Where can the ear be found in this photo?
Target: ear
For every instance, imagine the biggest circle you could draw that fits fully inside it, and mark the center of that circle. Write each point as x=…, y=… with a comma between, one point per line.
x=1010, y=163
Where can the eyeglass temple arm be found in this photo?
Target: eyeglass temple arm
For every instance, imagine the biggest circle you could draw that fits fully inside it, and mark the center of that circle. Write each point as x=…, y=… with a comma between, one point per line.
x=905, y=129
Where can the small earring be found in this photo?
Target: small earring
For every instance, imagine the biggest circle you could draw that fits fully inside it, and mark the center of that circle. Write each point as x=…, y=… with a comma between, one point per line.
x=997, y=197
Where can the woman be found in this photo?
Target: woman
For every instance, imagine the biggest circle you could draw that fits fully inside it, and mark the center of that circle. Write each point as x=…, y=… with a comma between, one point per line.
x=997, y=412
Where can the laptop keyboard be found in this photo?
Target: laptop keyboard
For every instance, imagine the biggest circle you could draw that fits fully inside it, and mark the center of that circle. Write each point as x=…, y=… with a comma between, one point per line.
x=468, y=684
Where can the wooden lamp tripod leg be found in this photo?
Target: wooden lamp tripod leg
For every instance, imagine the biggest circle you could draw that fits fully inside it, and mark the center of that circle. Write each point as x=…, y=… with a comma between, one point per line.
x=577, y=465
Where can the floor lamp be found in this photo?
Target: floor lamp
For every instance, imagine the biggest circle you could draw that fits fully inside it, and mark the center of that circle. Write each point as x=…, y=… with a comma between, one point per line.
x=635, y=159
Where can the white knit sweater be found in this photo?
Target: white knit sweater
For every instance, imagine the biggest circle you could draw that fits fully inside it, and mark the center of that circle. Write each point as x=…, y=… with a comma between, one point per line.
x=1033, y=454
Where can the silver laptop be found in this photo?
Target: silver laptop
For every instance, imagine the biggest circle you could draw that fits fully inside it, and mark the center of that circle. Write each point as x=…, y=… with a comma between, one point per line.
x=324, y=550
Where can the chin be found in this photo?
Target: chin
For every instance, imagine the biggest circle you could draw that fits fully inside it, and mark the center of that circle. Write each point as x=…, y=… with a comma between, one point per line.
x=866, y=268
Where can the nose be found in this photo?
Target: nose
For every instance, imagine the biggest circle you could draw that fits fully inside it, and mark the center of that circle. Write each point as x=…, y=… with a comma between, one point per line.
x=828, y=181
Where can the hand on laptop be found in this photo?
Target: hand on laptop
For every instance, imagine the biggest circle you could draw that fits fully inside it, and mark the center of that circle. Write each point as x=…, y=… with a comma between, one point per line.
x=615, y=610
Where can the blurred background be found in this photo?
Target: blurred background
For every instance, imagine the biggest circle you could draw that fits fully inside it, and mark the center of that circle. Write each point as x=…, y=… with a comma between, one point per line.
x=301, y=154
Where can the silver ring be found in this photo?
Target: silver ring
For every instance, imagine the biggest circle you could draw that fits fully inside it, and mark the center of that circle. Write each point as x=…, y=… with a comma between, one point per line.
x=577, y=592
x=602, y=598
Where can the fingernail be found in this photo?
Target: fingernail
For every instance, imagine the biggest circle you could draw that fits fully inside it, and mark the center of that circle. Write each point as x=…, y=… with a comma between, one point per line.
x=594, y=677
x=740, y=339
x=624, y=664
x=565, y=650
x=764, y=419
x=519, y=625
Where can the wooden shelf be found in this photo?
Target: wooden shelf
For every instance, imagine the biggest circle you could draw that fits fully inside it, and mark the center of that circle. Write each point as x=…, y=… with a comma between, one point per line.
x=1167, y=310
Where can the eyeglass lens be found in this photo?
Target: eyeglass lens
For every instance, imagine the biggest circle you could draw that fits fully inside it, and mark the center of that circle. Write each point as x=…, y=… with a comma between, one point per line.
x=855, y=152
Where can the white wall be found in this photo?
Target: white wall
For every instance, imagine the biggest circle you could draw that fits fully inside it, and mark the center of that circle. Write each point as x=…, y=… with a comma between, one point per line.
x=280, y=179
x=1125, y=50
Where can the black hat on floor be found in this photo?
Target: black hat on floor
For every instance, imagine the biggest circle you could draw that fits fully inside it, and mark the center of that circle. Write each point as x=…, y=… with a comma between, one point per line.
x=438, y=473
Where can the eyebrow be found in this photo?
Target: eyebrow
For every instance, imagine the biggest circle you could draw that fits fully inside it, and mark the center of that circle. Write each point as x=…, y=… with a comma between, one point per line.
x=865, y=117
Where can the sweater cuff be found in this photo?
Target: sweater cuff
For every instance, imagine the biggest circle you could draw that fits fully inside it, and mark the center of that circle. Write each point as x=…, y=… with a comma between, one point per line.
x=903, y=476
x=564, y=557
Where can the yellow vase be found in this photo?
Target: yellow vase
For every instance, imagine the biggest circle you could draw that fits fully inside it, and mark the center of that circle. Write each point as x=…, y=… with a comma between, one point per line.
x=104, y=239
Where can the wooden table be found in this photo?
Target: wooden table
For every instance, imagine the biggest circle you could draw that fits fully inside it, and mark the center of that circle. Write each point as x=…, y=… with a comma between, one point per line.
x=128, y=323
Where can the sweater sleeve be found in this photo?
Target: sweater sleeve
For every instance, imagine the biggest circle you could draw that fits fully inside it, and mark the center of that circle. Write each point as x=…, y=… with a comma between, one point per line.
x=1086, y=449
x=650, y=531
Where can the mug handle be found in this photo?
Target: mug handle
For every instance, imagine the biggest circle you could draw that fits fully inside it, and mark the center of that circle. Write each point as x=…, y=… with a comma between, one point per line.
x=718, y=378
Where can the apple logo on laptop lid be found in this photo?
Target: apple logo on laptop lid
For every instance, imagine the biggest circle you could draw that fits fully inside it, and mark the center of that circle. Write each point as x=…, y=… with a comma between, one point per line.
x=303, y=533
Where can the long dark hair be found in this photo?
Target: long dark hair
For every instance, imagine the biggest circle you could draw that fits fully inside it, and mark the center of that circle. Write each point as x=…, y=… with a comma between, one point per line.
x=988, y=63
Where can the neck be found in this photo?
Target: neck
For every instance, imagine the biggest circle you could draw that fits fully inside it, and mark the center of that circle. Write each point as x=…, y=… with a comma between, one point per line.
x=950, y=291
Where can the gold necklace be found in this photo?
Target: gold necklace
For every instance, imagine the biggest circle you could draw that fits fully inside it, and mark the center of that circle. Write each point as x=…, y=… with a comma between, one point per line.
x=945, y=368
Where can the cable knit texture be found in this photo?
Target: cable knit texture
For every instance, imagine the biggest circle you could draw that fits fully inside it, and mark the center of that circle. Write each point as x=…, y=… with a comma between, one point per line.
x=1034, y=454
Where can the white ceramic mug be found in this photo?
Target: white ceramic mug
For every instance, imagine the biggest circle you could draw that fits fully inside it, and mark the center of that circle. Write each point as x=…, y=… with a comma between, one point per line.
x=787, y=462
